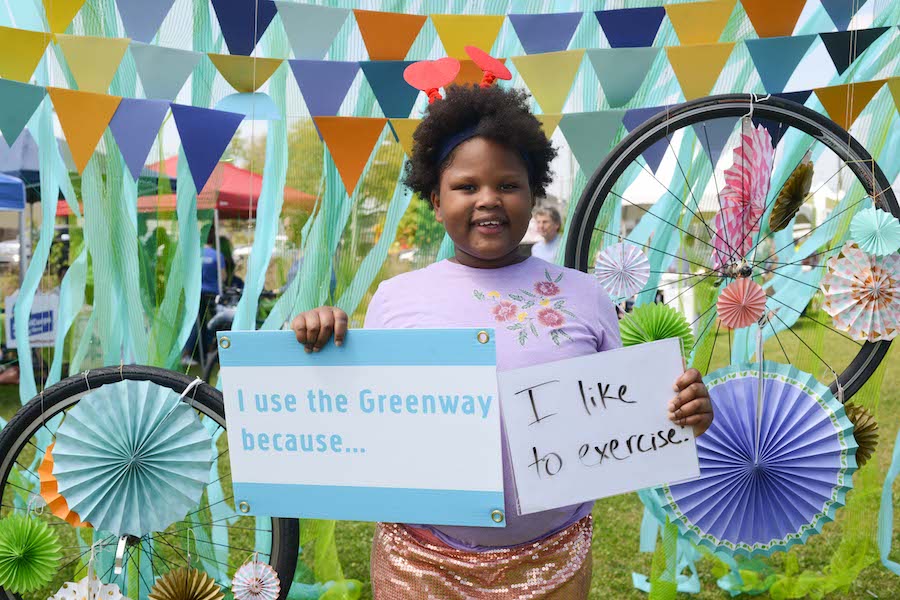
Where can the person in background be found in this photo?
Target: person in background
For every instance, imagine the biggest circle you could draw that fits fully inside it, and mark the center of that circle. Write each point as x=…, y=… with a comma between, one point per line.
x=211, y=261
x=549, y=225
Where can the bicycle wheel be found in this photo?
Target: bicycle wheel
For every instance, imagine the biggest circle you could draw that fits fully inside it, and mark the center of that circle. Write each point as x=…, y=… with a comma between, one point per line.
x=211, y=368
x=662, y=187
x=213, y=536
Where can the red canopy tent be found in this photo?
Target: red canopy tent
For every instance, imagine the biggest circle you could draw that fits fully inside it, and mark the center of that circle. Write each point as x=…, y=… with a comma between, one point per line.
x=231, y=191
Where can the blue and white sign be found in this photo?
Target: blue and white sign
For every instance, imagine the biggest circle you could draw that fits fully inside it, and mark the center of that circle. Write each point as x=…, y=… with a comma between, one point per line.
x=395, y=425
x=42, y=323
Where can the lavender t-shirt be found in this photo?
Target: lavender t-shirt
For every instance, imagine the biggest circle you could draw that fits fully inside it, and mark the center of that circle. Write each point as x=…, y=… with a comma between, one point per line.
x=540, y=312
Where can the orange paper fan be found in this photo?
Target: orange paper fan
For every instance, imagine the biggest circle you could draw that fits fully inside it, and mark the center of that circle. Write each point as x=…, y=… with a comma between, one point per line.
x=50, y=492
x=741, y=304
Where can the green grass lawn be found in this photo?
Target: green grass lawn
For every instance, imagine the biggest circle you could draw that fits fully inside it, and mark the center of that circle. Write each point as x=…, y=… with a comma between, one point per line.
x=617, y=520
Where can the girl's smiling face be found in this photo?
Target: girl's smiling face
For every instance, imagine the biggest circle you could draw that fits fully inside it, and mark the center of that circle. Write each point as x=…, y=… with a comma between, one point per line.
x=484, y=203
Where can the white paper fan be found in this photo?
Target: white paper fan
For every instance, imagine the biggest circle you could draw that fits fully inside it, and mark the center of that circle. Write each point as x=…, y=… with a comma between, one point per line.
x=622, y=269
x=89, y=588
x=255, y=581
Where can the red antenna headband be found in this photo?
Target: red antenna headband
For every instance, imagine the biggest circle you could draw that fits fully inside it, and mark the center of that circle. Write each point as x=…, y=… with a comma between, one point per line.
x=493, y=68
x=431, y=75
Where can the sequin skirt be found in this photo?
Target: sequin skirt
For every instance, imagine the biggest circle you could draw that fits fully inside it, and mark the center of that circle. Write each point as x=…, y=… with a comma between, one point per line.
x=409, y=564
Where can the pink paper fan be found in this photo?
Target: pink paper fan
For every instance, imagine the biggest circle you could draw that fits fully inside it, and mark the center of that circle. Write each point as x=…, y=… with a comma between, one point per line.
x=862, y=293
x=741, y=304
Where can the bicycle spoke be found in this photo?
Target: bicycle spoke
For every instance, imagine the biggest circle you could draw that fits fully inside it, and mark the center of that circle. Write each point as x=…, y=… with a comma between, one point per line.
x=804, y=315
x=696, y=264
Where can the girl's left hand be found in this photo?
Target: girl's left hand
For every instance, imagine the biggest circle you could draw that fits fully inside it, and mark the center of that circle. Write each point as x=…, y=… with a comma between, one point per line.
x=691, y=405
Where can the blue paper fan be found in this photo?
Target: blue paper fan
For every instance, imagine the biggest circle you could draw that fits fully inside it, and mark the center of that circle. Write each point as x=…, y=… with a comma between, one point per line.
x=132, y=458
x=875, y=231
x=754, y=497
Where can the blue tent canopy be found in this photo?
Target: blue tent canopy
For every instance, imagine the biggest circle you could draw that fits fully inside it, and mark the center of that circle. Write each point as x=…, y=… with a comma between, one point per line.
x=12, y=193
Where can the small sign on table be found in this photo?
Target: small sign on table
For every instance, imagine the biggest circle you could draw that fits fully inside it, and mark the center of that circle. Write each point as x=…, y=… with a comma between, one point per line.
x=595, y=426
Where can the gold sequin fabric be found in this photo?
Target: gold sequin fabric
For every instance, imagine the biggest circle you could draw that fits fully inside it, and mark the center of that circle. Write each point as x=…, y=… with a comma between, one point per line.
x=408, y=564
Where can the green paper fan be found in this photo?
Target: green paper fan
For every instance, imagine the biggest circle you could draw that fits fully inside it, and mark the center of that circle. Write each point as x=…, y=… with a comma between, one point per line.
x=652, y=322
x=29, y=553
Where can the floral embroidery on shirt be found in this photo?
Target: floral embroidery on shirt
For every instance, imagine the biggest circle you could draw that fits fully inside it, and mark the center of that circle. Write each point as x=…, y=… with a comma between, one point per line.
x=528, y=309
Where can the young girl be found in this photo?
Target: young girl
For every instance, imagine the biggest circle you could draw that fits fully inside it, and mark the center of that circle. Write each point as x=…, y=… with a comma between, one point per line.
x=481, y=158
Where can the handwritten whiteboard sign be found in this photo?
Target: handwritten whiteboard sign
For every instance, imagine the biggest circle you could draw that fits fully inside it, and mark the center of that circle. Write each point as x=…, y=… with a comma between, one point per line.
x=595, y=426
x=395, y=425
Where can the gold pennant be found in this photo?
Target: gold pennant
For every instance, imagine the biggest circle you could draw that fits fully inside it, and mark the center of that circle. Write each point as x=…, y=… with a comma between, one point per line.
x=404, y=129
x=458, y=31
x=845, y=102
x=246, y=74
x=20, y=52
x=697, y=68
x=699, y=22
x=92, y=60
x=549, y=76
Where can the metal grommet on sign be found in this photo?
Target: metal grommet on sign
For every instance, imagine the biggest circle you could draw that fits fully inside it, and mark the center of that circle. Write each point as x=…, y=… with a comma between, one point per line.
x=497, y=516
x=225, y=343
x=483, y=338
x=244, y=507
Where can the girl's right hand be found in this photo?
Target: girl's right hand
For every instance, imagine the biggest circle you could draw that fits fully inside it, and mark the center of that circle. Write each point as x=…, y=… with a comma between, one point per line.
x=314, y=328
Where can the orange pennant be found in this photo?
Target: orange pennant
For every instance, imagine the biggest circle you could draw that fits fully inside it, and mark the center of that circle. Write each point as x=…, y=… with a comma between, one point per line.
x=61, y=12
x=894, y=86
x=470, y=73
x=699, y=22
x=350, y=141
x=404, y=129
x=773, y=18
x=458, y=31
x=845, y=102
x=388, y=35
x=50, y=492
x=697, y=67
x=83, y=117
x=20, y=52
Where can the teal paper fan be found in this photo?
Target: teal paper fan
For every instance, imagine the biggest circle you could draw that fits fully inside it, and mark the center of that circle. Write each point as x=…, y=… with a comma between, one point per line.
x=651, y=322
x=29, y=553
x=875, y=231
x=131, y=458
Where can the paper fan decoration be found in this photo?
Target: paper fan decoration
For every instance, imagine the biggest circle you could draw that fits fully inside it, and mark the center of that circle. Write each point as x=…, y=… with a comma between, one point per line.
x=651, y=322
x=126, y=446
x=88, y=589
x=865, y=432
x=875, y=231
x=792, y=195
x=741, y=303
x=622, y=269
x=862, y=293
x=756, y=498
x=29, y=553
x=186, y=584
x=743, y=199
x=255, y=581
x=50, y=492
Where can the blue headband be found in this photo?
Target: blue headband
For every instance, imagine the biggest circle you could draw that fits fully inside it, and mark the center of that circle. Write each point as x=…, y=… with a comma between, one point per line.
x=465, y=135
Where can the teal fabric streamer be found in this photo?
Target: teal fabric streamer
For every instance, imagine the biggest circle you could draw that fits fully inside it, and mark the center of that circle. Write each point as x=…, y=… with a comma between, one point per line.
x=886, y=511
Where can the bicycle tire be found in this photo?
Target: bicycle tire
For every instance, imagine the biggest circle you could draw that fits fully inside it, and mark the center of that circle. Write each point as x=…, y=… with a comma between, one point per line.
x=834, y=137
x=205, y=398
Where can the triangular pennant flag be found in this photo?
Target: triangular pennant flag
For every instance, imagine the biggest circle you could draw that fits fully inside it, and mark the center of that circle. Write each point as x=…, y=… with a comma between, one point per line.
x=163, y=71
x=844, y=47
x=845, y=102
x=697, y=68
x=246, y=74
x=549, y=123
x=713, y=135
x=773, y=18
x=799, y=97
x=777, y=129
x=92, y=60
x=631, y=27
x=135, y=126
x=894, y=87
x=550, y=32
x=699, y=22
x=60, y=13
x=324, y=83
x=254, y=107
x=83, y=117
x=470, y=73
x=777, y=58
x=549, y=76
x=621, y=71
x=350, y=141
x=841, y=11
x=18, y=101
x=404, y=129
x=310, y=28
x=591, y=135
x=20, y=52
x=458, y=31
x=388, y=35
x=655, y=153
x=243, y=22
x=141, y=18
x=395, y=97
x=205, y=134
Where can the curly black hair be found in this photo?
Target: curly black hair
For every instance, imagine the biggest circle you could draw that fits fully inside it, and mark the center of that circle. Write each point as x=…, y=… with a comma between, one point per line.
x=496, y=113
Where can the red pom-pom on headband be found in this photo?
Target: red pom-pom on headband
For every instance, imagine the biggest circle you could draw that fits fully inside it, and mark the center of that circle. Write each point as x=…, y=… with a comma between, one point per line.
x=431, y=75
x=493, y=68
